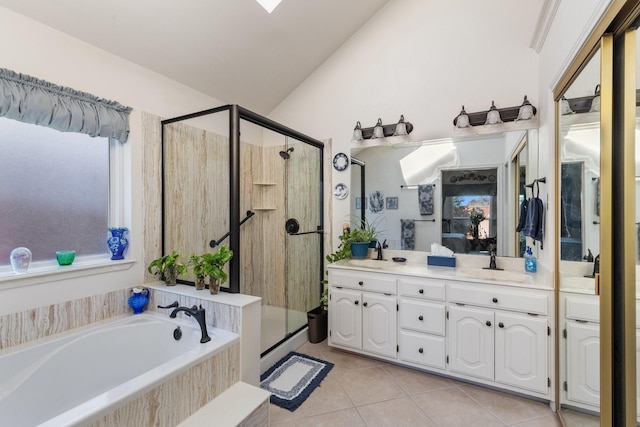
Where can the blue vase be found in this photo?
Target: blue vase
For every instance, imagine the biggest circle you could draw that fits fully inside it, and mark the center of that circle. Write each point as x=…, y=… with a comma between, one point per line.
x=117, y=242
x=139, y=299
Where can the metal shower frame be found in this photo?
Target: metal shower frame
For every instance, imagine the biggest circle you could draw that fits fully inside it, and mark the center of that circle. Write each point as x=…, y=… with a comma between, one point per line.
x=237, y=113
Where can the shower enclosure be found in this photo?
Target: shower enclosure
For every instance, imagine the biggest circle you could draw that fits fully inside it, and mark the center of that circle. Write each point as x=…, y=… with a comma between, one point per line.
x=231, y=176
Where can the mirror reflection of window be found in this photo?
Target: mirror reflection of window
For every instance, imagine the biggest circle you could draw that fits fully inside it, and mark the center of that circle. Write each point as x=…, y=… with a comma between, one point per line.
x=469, y=210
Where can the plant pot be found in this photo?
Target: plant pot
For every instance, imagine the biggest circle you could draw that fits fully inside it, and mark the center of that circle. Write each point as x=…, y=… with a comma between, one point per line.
x=214, y=285
x=317, y=319
x=359, y=249
x=200, y=283
x=170, y=275
x=373, y=243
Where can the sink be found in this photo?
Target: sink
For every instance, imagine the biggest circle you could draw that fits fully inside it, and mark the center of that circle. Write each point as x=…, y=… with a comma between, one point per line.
x=501, y=275
x=371, y=263
x=578, y=282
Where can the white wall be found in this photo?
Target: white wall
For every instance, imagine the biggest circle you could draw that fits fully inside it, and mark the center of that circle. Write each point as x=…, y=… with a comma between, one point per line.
x=425, y=59
x=45, y=53
x=420, y=58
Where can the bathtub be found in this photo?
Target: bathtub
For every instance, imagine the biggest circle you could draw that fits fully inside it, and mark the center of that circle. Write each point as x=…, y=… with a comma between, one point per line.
x=77, y=377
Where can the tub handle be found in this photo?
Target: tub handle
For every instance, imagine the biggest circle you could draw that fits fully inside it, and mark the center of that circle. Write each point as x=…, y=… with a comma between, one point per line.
x=172, y=305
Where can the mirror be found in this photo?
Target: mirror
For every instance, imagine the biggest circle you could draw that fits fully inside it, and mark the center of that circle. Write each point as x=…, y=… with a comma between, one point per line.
x=580, y=168
x=398, y=175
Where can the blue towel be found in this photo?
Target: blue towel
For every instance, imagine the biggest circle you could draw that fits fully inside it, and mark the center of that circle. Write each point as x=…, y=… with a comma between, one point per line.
x=533, y=226
x=408, y=234
x=425, y=199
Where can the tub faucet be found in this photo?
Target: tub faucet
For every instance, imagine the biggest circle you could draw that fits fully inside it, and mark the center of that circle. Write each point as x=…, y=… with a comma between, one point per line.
x=198, y=314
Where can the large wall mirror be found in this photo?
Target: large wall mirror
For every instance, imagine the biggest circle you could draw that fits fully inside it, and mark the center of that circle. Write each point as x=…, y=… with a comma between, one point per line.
x=579, y=151
x=461, y=193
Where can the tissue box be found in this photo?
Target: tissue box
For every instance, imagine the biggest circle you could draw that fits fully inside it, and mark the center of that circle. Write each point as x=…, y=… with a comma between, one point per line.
x=443, y=261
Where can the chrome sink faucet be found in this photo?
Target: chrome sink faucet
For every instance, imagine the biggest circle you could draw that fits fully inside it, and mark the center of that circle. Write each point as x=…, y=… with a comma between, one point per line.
x=195, y=312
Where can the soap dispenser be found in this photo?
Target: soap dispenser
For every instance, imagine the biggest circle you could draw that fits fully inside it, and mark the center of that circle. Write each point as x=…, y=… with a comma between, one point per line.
x=530, y=262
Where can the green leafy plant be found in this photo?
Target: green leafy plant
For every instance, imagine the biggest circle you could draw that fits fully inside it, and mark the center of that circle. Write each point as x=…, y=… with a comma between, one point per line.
x=197, y=264
x=213, y=263
x=168, y=267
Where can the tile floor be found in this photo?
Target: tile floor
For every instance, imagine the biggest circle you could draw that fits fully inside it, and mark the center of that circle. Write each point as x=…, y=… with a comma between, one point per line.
x=365, y=392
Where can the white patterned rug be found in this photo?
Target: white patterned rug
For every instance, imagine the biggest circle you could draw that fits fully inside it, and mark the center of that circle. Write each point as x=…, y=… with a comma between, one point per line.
x=293, y=378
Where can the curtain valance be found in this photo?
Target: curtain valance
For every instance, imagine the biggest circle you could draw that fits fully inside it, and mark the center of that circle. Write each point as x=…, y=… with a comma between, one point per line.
x=39, y=102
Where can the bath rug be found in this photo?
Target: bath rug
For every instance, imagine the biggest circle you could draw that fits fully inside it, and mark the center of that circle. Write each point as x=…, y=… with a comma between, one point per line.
x=293, y=379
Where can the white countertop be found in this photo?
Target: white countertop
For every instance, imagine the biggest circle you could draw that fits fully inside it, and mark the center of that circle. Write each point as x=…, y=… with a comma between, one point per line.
x=467, y=270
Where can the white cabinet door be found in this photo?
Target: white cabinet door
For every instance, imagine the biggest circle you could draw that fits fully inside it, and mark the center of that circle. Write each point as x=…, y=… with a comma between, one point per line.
x=345, y=318
x=379, y=324
x=583, y=363
x=471, y=341
x=521, y=351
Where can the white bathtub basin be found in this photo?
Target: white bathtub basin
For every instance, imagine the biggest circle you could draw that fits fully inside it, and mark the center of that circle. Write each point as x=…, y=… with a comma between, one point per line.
x=78, y=376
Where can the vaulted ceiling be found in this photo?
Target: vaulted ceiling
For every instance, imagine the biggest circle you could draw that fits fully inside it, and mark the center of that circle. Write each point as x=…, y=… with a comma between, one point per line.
x=232, y=50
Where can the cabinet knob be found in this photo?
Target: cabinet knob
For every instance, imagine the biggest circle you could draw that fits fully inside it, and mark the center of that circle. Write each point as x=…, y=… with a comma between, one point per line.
x=364, y=303
x=495, y=300
x=356, y=302
x=360, y=283
x=420, y=350
x=501, y=325
x=488, y=323
x=420, y=318
x=421, y=291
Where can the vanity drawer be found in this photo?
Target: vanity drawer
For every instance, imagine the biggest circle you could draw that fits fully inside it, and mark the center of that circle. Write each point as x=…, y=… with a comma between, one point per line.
x=422, y=288
x=586, y=308
x=422, y=316
x=372, y=282
x=428, y=350
x=493, y=296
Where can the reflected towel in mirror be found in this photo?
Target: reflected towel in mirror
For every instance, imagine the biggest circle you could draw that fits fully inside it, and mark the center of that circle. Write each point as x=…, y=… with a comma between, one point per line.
x=535, y=218
x=425, y=199
x=408, y=233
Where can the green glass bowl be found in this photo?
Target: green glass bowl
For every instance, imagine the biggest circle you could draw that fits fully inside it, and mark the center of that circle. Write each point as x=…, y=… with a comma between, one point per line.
x=65, y=257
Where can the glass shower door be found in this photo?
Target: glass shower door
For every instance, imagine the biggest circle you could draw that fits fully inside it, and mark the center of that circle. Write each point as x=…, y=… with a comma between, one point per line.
x=303, y=199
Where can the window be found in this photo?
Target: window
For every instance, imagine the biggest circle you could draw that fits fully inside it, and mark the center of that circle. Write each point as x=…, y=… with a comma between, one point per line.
x=469, y=209
x=54, y=191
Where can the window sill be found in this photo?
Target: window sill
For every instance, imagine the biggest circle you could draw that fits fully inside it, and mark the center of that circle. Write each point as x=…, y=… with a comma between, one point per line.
x=47, y=273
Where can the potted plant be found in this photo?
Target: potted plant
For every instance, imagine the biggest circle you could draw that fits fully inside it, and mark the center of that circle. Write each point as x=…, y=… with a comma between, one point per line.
x=197, y=264
x=213, y=265
x=168, y=267
x=358, y=241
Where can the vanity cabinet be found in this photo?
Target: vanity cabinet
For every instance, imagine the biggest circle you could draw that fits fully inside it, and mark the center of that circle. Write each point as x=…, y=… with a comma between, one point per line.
x=422, y=321
x=509, y=345
x=580, y=369
x=496, y=335
x=362, y=313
